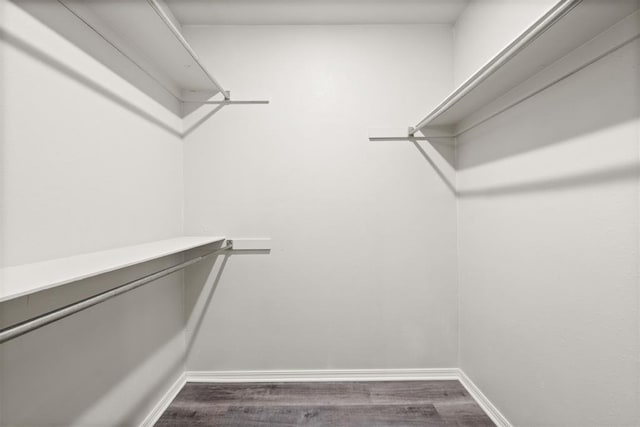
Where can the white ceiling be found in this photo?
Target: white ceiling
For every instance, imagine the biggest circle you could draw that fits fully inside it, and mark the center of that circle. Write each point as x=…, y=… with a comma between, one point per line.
x=213, y=12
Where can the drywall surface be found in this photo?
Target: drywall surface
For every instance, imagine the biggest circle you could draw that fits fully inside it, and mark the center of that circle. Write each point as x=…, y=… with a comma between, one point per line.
x=485, y=27
x=82, y=171
x=548, y=251
x=362, y=270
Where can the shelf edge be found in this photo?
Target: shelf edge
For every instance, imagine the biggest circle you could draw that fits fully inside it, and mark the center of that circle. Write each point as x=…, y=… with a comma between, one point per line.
x=521, y=42
x=88, y=274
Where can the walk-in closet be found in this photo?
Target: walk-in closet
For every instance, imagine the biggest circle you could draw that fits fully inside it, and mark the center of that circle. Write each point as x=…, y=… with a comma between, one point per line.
x=358, y=213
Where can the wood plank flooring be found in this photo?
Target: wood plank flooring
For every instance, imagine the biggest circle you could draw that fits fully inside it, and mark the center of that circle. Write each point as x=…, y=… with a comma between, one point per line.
x=357, y=404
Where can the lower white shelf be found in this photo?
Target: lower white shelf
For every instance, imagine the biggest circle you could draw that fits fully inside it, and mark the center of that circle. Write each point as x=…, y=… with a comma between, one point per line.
x=27, y=279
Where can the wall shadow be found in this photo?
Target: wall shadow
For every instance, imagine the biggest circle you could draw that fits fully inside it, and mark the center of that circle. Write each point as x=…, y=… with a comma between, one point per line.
x=201, y=121
x=195, y=315
x=596, y=97
x=49, y=60
x=113, y=54
x=593, y=99
x=434, y=164
x=201, y=283
x=72, y=367
x=591, y=178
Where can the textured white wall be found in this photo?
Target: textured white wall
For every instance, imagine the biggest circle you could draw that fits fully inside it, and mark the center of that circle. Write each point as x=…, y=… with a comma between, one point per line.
x=485, y=27
x=81, y=171
x=362, y=272
x=548, y=251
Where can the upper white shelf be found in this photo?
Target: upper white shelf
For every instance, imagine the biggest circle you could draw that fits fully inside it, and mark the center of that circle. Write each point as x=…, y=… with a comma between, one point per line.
x=27, y=279
x=140, y=40
x=147, y=32
x=565, y=27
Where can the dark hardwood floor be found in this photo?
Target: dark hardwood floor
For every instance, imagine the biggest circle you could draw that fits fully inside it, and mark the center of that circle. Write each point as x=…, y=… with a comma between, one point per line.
x=361, y=404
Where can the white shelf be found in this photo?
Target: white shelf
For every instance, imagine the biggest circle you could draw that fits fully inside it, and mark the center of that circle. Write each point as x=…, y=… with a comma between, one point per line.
x=138, y=39
x=567, y=26
x=27, y=279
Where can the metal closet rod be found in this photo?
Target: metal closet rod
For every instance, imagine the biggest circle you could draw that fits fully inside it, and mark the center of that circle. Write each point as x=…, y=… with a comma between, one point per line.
x=37, y=322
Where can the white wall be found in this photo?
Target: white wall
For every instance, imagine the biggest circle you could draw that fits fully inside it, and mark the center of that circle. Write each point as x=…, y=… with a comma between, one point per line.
x=548, y=251
x=362, y=271
x=83, y=170
x=485, y=27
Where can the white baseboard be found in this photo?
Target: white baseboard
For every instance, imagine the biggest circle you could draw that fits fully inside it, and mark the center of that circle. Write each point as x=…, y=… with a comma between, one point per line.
x=428, y=374
x=164, y=402
x=482, y=400
x=324, y=375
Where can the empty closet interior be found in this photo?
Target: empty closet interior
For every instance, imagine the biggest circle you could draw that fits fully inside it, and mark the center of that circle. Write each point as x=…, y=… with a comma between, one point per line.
x=242, y=191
